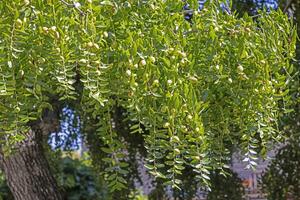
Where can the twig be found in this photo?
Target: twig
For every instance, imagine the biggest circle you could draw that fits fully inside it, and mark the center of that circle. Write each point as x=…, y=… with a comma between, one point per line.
x=73, y=5
x=66, y=3
x=288, y=4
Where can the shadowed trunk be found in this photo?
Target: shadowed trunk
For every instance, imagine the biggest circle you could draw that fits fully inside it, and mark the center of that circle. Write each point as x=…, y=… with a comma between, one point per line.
x=27, y=170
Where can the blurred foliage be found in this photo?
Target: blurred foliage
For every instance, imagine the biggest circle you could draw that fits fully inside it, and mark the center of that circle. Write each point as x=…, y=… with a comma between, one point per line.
x=223, y=187
x=282, y=178
x=79, y=181
x=227, y=187
x=137, y=195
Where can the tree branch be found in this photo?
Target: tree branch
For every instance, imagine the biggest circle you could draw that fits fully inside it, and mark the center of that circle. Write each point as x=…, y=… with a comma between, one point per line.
x=288, y=4
x=66, y=3
x=74, y=5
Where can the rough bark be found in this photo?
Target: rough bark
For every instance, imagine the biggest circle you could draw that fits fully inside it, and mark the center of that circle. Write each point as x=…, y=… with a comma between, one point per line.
x=27, y=170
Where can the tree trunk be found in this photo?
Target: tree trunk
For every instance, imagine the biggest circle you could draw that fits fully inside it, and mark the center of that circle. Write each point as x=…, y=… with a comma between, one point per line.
x=28, y=172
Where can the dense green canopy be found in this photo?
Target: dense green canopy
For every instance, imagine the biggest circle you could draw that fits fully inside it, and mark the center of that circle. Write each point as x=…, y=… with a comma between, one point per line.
x=190, y=89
